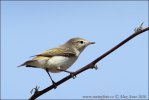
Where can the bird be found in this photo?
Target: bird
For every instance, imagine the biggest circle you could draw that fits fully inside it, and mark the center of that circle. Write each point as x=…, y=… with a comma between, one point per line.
x=60, y=58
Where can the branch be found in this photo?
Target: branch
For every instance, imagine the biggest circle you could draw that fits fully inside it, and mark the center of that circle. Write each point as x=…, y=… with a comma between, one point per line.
x=91, y=65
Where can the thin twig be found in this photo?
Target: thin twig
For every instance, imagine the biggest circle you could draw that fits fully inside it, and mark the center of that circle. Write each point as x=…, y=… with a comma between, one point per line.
x=88, y=66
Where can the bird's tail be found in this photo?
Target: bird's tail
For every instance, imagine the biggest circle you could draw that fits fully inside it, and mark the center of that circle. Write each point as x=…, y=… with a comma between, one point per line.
x=27, y=63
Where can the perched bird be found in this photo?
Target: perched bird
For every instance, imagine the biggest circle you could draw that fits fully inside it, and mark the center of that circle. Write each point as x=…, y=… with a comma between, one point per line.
x=60, y=58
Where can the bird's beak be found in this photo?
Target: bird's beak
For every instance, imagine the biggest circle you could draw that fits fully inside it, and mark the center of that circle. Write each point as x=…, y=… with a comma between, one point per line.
x=90, y=43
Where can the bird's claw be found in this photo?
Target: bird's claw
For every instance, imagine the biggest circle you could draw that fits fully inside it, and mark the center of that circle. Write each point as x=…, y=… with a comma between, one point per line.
x=72, y=75
x=36, y=89
x=54, y=84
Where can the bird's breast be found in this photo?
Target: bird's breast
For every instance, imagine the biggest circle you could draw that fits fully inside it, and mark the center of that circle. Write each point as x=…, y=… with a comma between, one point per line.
x=60, y=62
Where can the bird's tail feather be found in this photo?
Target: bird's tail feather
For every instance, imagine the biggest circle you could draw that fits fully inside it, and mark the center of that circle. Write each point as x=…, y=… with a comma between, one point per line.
x=28, y=63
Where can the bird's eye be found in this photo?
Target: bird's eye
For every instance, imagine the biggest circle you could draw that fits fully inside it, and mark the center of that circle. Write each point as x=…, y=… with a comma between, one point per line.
x=81, y=42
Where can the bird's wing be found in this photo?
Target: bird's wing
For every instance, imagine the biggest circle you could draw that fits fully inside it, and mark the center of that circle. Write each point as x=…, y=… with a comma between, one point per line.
x=58, y=52
x=34, y=61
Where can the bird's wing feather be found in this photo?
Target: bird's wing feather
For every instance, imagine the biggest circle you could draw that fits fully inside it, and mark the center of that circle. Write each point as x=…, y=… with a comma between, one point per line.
x=58, y=52
x=34, y=61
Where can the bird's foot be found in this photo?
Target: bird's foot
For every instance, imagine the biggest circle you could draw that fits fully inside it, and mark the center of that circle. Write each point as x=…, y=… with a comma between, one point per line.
x=54, y=84
x=73, y=75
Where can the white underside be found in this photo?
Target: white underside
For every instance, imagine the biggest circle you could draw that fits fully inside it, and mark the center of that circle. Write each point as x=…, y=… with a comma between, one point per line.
x=56, y=62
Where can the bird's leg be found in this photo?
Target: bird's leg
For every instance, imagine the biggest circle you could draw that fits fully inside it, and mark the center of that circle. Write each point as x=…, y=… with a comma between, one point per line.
x=51, y=79
x=71, y=73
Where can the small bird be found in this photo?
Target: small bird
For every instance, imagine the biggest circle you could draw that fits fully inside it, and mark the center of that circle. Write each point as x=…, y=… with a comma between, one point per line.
x=60, y=58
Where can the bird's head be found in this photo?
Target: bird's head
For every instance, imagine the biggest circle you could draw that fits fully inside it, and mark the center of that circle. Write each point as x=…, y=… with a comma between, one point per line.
x=79, y=43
